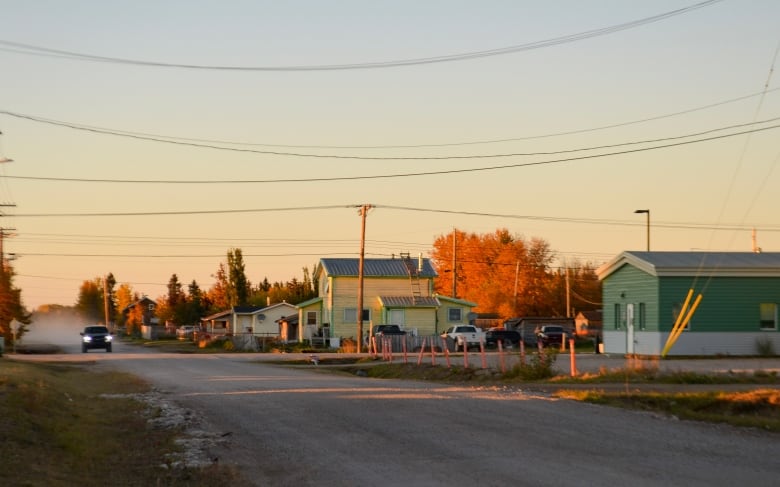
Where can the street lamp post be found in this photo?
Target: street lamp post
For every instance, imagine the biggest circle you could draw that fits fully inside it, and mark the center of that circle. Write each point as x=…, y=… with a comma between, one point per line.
x=646, y=212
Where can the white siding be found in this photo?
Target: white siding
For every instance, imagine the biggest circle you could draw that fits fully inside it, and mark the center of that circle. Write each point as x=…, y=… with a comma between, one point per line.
x=691, y=343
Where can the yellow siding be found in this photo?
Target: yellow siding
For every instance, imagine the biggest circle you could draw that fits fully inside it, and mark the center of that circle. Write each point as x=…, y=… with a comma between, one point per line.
x=443, y=314
x=422, y=319
x=344, y=293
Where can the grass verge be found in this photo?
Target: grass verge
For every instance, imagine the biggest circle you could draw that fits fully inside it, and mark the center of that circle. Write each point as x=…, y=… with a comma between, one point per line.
x=70, y=425
x=758, y=408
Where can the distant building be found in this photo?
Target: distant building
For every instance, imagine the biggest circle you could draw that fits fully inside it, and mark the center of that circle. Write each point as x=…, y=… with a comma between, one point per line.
x=395, y=291
x=644, y=294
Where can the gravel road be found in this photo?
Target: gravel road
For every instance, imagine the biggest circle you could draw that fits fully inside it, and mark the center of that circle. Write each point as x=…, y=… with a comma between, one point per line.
x=302, y=427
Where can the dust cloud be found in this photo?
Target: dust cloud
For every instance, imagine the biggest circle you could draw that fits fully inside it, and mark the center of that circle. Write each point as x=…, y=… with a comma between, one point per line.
x=59, y=327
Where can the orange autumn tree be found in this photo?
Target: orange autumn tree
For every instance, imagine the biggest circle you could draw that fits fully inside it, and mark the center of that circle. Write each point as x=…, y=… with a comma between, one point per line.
x=501, y=272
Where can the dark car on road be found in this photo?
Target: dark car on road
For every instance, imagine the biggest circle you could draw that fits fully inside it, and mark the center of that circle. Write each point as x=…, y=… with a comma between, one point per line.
x=96, y=336
x=507, y=338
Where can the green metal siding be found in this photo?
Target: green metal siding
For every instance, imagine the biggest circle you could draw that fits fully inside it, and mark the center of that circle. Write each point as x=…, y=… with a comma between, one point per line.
x=728, y=303
x=631, y=285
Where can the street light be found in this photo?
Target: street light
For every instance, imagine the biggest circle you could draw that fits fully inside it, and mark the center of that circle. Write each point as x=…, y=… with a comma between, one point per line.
x=647, y=212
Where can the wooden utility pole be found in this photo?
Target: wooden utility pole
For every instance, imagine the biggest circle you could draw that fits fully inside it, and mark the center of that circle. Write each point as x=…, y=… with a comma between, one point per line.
x=568, y=291
x=4, y=233
x=454, y=263
x=517, y=278
x=105, y=302
x=363, y=212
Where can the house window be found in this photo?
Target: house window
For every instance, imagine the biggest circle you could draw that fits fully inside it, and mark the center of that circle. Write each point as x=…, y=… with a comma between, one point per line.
x=350, y=315
x=768, y=316
x=151, y=307
x=676, y=308
x=311, y=317
x=618, y=316
x=454, y=315
x=642, y=316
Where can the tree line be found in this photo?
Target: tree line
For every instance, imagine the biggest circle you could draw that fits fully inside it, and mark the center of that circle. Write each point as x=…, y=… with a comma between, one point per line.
x=506, y=274
x=509, y=275
x=180, y=306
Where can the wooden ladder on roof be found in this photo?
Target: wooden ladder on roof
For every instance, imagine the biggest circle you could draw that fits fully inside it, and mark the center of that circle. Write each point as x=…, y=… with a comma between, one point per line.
x=414, y=276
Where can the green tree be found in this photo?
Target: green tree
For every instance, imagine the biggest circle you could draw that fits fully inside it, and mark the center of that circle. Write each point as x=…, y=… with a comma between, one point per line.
x=195, y=305
x=172, y=307
x=217, y=294
x=175, y=292
x=90, y=300
x=238, y=285
x=110, y=294
x=11, y=307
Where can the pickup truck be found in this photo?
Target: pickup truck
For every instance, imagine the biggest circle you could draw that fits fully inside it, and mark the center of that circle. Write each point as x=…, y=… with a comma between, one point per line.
x=384, y=330
x=464, y=335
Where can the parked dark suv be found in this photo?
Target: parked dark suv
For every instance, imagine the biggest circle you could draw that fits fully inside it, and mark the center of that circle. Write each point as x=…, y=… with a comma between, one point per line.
x=96, y=336
x=506, y=337
x=550, y=335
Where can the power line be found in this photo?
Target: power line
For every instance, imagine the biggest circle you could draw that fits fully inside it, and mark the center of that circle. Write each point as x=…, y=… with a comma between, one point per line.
x=22, y=48
x=683, y=225
x=181, y=213
x=387, y=176
x=360, y=157
x=218, y=144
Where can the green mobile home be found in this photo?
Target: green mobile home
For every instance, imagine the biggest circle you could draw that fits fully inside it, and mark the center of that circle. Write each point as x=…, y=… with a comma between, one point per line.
x=645, y=292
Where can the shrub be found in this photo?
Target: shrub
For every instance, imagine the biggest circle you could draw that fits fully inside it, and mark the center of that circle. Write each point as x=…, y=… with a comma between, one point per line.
x=765, y=347
x=539, y=367
x=348, y=345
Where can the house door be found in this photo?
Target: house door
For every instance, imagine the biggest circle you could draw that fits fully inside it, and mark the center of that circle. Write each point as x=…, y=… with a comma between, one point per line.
x=630, y=328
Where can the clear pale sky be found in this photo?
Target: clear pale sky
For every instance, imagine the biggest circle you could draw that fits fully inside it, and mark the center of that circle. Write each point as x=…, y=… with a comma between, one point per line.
x=692, y=73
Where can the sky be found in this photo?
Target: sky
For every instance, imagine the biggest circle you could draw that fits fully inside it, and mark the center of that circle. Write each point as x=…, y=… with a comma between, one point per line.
x=148, y=138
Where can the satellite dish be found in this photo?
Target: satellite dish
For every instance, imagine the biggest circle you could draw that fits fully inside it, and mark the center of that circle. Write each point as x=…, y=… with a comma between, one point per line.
x=261, y=317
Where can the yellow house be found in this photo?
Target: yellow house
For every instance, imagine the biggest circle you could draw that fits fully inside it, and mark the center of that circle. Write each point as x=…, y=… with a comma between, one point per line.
x=396, y=291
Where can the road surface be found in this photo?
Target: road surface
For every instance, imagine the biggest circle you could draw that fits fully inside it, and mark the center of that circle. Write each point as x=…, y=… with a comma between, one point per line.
x=302, y=427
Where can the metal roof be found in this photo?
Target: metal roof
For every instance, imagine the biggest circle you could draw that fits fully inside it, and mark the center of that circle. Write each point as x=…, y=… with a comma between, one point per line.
x=409, y=302
x=462, y=302
x=733, y=264
x=395, y=267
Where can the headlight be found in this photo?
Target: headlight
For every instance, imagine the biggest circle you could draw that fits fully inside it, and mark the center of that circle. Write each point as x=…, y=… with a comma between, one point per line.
x=87, y=339
x=109, y=338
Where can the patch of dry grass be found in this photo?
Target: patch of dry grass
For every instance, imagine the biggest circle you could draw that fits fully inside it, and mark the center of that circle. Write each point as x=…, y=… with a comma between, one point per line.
x=759, y=408
x=69, y=425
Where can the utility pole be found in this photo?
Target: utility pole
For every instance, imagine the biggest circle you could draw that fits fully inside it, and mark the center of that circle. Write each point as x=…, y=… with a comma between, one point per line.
x=568, y=291
x=517, y=278
x=105, y=302
x=4, y=233
x=363, y=212
x=454, y=263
